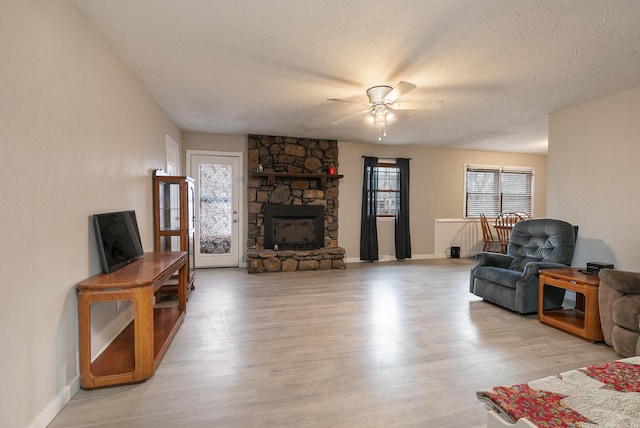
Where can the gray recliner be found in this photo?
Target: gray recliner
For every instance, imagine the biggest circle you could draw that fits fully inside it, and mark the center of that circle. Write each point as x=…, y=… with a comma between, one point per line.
x=511, y=280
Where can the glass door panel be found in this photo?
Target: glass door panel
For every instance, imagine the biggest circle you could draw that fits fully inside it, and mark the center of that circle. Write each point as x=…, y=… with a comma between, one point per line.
x=216, y=211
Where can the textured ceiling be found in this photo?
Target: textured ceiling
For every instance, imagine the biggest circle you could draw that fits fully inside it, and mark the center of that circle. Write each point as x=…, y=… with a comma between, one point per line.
x=268, y=67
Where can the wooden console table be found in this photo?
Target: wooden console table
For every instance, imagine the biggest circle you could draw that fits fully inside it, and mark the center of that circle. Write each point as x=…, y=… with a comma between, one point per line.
x=134, y=355
x=584, y=320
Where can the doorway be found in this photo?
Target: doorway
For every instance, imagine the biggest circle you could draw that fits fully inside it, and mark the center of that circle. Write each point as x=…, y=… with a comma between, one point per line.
x=217, y=207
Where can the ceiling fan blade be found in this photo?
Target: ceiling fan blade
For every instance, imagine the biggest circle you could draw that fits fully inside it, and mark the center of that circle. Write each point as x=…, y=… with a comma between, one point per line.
x=350, y=117
x=342, y=100
x=418, y=105
x=400, y=89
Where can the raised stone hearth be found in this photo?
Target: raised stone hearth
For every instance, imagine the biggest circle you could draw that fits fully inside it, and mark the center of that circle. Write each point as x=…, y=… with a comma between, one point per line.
x=259, y=261
x=293, y=172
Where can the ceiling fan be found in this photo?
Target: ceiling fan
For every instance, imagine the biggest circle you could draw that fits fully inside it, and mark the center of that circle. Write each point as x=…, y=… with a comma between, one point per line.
x=383, y=101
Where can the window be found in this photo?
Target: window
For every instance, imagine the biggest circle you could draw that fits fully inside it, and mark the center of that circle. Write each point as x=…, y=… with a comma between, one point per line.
x=492, y=190
x=388, y=188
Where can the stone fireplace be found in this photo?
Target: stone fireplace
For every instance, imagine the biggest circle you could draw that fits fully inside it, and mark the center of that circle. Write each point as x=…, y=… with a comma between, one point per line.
x=293, y=205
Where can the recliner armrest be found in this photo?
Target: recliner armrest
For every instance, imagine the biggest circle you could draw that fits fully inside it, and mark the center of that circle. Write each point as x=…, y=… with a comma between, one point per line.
x=621, y=281
x=493, y=259
x=533, y=268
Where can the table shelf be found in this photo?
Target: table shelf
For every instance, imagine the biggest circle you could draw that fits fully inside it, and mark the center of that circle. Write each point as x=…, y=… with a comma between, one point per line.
x=570, y=319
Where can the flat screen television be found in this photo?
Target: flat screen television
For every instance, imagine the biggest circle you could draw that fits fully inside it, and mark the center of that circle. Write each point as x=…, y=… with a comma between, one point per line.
x=118, y=239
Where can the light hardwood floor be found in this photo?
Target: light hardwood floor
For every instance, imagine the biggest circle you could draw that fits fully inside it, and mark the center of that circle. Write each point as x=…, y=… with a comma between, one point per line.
x=397, y=344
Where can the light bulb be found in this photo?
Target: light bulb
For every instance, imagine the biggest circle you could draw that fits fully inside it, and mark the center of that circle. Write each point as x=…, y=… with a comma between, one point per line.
x=371, y=118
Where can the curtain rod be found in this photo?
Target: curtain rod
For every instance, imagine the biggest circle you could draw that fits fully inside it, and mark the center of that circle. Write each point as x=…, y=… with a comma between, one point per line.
x=363, y=156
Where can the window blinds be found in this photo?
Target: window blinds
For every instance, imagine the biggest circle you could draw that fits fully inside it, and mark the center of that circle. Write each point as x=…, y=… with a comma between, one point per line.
x=492, y=190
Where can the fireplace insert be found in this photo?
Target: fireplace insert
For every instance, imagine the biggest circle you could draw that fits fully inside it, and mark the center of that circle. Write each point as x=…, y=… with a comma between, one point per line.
x=293, y=227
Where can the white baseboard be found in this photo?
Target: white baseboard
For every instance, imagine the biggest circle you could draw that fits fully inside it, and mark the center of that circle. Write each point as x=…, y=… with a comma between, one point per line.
x=427, y=256
x=462, y=256
x=389, y=258
x=55, y=406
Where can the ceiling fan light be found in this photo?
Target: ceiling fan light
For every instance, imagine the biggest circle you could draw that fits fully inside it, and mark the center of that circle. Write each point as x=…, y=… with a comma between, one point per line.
x=391, y=117
x=371, y=118
x=381, y=116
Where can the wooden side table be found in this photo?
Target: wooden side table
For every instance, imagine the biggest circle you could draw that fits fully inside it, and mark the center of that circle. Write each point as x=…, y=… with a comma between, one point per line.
x=582, y=321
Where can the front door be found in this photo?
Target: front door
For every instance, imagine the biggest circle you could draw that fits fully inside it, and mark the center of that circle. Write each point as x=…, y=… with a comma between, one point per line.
x=217, y=208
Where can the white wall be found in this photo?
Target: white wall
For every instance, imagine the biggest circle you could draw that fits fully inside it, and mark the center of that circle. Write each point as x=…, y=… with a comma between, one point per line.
x=437, y=191
x=213, y=142
x=594, y=149
x=79, y=135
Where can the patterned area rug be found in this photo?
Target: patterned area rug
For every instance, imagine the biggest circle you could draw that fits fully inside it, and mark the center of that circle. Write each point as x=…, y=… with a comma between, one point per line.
x=602, y=395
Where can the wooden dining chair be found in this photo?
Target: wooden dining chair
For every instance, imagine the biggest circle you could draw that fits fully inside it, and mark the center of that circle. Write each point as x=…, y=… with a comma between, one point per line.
x=504, y=224
x=524, y=215
x=487, y=235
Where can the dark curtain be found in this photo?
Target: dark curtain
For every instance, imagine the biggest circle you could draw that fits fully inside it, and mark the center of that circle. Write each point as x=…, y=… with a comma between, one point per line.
x=403, y=236
x=368, y=226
